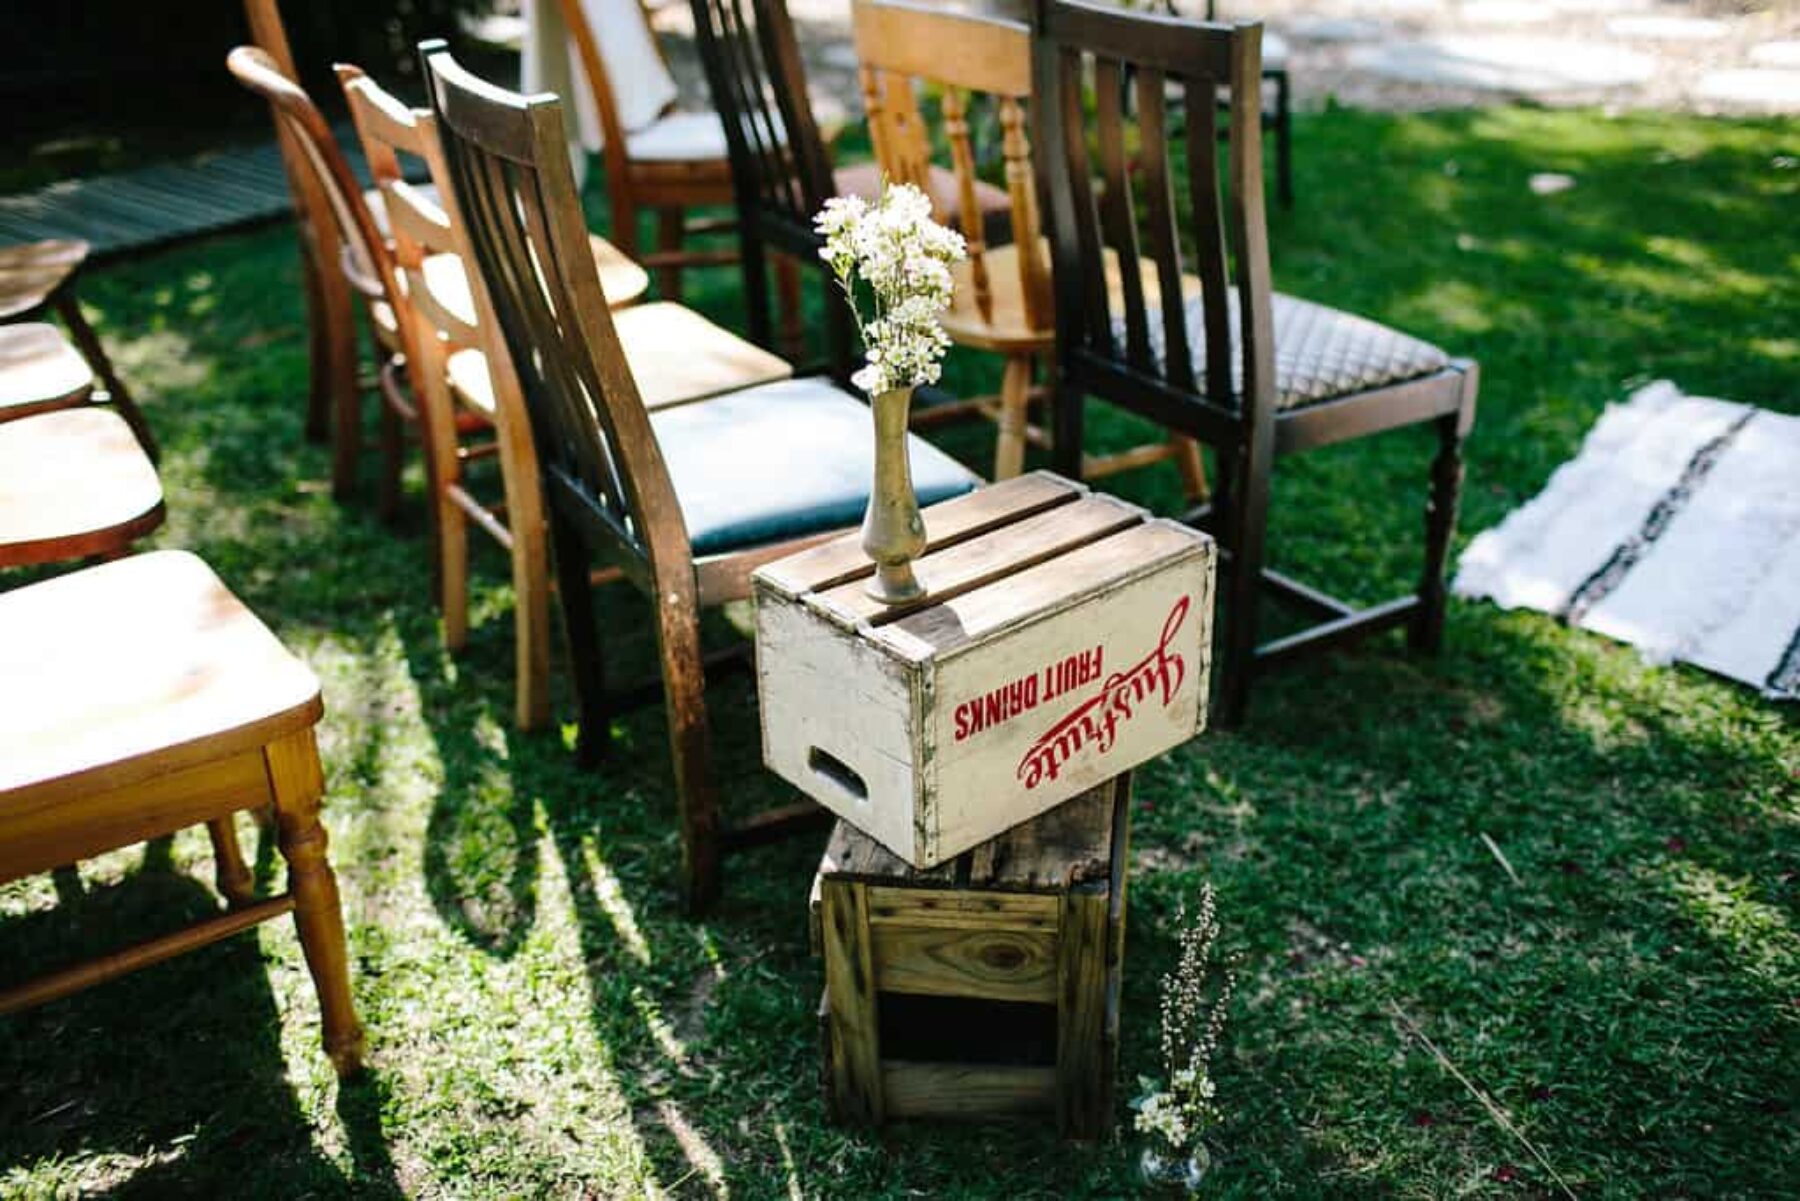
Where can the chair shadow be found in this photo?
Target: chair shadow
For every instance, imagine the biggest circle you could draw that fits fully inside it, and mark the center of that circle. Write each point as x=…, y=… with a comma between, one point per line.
x=92, y=1073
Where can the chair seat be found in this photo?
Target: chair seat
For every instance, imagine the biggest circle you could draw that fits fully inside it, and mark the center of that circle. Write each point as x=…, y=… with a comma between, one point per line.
x=675, y=355
x=40, y=370
x=133, y=669
x=783, y=461
x=74, y=482
x=1009, y=332
x=678, y=137
x=622, y=281
x=31, y=272
x=1321, y=353
x=864, y=180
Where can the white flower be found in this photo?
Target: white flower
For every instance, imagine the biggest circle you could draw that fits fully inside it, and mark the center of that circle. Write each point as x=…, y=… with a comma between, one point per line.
x=904, y=257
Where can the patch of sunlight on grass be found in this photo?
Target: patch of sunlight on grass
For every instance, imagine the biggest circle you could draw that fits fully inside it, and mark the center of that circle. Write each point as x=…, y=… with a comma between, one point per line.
x=667, y=1041
x=611, y=895
x=1679, y=281
x=1785, y=349
x=159, y=361
x=1727, y=910
x=1456, y=305
x=706, y=1162
x=788, y=1167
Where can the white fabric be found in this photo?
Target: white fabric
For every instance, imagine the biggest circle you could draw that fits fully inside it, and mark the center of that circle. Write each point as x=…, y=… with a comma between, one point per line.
x=1275, y=51
x=678, y=137
x=1717, y=586
x=641, y=84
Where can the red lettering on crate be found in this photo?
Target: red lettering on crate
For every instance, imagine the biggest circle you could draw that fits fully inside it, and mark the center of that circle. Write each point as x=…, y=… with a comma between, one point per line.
x=1026, y=693
x=1096, y=721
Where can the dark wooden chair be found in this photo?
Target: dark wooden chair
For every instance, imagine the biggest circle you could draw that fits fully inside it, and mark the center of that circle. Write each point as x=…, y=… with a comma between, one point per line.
x=1278, y=116
x=686, y=501
x=1249, y=371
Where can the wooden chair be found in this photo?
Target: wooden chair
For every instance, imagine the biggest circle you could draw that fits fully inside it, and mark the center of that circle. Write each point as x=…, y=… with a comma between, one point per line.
x=686, y=502
x=657, y=157
x=1278, y=118
x=37, y=278
x=1003, y=298
x=676, y=355
x=40, y=371
x=1254, y=373
x=73, y=483
x=140, y=697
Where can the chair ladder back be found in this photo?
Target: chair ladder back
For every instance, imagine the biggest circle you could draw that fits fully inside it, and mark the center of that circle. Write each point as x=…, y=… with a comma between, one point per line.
x=1160, y=229
x=1202, y=119
x=513, y=184
x=902, y=45
x=1118, y=220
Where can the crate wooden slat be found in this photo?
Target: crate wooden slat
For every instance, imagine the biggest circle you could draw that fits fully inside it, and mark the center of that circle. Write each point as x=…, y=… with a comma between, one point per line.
x=1032, y=921
x=1064, y=638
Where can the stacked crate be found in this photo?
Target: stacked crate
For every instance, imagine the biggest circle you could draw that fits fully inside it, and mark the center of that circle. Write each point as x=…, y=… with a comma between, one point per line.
x=977, y=745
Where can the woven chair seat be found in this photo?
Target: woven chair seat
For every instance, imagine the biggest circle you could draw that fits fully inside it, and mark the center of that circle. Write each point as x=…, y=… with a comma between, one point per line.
x=1321, y=353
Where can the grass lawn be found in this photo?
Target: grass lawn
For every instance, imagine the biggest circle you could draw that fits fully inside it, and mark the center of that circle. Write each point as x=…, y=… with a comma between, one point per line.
x=542, y=1020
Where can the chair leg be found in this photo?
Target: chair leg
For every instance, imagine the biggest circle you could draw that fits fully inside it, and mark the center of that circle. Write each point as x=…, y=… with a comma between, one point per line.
x=230, y=871
x=684, y=691
x=586, y=665
x=670, y=226
x=1284, y=141
x=298, y=785
x=1069, y=418
x=1426, y=633
x=787, y=294
x=1244, y=536
x=338, y=320
x=320, y=381
x=1015, y=415
x=1191, y=467
x=88, y=342
x=453, y=566
x=531, y=612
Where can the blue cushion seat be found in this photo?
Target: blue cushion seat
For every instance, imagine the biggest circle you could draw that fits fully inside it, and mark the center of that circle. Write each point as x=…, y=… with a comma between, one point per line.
x=782, y=461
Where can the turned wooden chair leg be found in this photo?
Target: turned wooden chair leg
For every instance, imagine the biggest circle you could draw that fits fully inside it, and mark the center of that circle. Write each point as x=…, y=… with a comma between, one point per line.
x=88, y=342
x=1015, y=415
x=587, y=668
x=787, y=293
x=670, y=228
x=1192, y=468
x=298, y=785
x=684, y=692
x=230, y=872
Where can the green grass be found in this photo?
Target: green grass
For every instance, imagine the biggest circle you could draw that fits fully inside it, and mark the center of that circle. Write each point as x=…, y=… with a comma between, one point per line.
x=542, y=1021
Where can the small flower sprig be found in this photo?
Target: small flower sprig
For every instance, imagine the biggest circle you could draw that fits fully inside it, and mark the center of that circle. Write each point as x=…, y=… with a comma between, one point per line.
x=904, y=257
x=1192, y=1029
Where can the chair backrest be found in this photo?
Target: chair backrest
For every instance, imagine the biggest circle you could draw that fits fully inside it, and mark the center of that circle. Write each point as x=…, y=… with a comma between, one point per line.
x=780, y=168
x=904, y=44
x=1095, y=215
x=366, y=260
x=626, y=72
x=510, y=175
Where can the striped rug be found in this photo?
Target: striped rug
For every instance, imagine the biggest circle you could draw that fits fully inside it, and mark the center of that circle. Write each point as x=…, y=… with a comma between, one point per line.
x=1676, y=529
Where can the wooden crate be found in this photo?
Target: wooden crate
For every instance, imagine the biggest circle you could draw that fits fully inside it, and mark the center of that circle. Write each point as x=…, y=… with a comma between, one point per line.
x=1065, y=638
x=984, y=987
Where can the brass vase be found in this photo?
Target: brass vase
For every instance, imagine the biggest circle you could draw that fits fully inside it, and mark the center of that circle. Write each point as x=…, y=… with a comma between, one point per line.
x=893, y=533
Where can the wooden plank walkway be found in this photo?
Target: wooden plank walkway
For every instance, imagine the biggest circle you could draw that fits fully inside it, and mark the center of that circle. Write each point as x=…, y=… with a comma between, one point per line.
x=133, y=211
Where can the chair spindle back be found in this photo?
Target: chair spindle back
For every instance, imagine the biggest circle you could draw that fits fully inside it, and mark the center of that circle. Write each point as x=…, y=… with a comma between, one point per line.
x=1095, y=207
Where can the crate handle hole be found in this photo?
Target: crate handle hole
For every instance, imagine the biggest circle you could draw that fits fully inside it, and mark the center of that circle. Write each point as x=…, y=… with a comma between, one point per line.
x=824, y=763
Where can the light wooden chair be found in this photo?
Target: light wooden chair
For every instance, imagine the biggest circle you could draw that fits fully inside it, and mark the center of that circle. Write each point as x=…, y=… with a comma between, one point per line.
x=1254, y=373
x=1003, y=301
x=677, y=356
x=40, y=371
x=73, y=483
x=686, y=501
x=139, y=697
x=657, y=157
x=38, y=278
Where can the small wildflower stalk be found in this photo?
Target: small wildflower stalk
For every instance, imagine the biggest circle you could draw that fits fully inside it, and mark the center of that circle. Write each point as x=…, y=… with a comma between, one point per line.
x=1178, y=1115
x=904, y=258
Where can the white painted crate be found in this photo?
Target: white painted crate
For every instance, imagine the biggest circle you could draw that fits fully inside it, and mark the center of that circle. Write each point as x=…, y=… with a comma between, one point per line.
x=1065, y=638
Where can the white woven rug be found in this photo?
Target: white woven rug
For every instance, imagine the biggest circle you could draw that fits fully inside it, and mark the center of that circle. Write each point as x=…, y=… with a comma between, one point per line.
x=1676, y=529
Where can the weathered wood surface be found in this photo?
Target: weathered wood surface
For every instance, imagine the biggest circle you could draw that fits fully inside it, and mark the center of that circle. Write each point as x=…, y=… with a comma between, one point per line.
x=73, y=482
x=1065, y=638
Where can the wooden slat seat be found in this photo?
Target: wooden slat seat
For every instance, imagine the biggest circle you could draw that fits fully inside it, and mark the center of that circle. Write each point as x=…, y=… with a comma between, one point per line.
x=73, y=482
x=32, y=272
x=140, y=697
x=40, y=370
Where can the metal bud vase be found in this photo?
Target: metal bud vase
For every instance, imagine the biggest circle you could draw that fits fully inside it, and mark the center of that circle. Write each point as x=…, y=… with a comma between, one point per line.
x=893, y=533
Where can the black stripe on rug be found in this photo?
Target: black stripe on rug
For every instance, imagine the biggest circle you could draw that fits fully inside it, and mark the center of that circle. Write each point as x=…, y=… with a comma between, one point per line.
x=1785, y=679
x=1612, y=572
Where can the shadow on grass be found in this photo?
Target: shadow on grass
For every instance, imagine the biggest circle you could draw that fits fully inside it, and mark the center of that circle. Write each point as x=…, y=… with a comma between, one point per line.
x=163, y=1082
